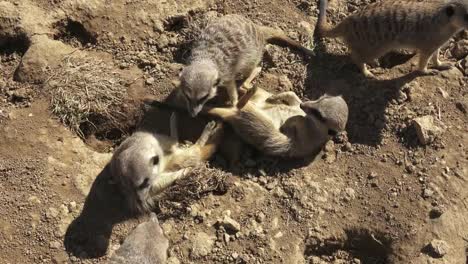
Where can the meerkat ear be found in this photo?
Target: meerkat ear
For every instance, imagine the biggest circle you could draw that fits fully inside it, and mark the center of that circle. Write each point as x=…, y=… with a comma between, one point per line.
x=449, y=10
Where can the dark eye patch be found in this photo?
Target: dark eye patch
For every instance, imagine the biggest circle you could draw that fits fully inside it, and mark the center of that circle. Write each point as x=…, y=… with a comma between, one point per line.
x=316, y=113
x=155, y=160
x=144, y=184
x=203, y=99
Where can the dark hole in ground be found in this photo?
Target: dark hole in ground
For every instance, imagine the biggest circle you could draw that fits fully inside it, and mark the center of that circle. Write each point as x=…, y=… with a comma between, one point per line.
x=367, y=246
x=73, y=31
x=14, y=44
x=176, y=23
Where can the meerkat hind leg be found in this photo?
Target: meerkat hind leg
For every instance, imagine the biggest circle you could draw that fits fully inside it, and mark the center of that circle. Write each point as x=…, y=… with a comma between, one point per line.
x=423, y=60
x=248, y=82
x=438, y=64
x=288, y=98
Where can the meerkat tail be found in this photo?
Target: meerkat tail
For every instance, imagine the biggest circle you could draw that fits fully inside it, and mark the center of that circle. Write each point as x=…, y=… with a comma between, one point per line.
x=278, y=37
x=323, y=28
x=256, y=130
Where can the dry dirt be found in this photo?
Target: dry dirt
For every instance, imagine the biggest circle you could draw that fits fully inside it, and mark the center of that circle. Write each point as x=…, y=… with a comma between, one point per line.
x=71, y=76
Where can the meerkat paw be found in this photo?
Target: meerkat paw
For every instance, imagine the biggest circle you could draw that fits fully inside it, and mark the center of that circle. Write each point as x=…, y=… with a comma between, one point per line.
x=443, y=66
x=368, y=74
x=211, y=129
x=428, y=72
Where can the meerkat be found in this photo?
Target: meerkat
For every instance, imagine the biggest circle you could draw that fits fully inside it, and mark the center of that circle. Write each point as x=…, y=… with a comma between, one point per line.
x=146, y=244
x=228, y=49
x=282, y=125
x=146, y=163
x=401, y=24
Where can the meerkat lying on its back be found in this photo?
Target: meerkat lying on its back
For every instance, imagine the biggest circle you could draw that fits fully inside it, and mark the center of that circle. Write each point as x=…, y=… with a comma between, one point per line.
x=228, y=49
x=146, y=244
x=401, y=24
x=147, y=163
x=282, y=125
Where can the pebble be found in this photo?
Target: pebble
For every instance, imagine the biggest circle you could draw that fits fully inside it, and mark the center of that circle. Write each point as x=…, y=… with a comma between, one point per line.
x=202, y=245
x=150, y=81
x=438, y=248
x=72, y=206
x=372, y=175
x=230, y=224
x=426, y=129
x=436, y=212
x=55, y=245
x=427, y=193
x=51, y=213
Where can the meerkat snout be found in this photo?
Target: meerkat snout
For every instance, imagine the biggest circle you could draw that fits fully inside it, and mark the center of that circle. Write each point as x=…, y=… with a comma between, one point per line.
x=198, y=83
x=332, y=111
x=458, y=13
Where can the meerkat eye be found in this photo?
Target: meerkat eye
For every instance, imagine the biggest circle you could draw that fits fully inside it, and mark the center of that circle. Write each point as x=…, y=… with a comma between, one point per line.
x=144, y=184
x=155, y=160
x=449, y=11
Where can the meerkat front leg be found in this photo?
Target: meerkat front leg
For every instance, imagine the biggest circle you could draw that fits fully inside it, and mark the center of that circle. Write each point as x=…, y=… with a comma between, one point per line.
x=248, y=82
x=424, y=57
x=287, y=98
x=174, y=133
x=210, y=139
x=231, y=88
x=438, y=64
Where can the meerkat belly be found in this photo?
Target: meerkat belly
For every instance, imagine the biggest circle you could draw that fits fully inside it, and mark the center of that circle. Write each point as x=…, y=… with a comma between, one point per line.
x=279, y=114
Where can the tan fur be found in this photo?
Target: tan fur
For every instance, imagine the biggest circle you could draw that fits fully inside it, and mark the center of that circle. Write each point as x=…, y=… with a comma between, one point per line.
x=423, y=26
x=146, y=163
x=228, y=49
x=281, y=125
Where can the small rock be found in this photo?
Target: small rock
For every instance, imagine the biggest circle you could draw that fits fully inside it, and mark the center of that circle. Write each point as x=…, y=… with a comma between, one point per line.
x=330, y=146
x=460, y=50
x=260, y=217
x=2, y=84
x=306, y=27
x=427, y=193
x=173, y=260
x=436, y=212
x=55, y=245
x=51, y=213
x=230, y=224
x=426, y=129
x=438, y=248
x=202, y=245
x=348, y=147
x=150, y=81
x=372, y=175
x=350, y=194
x=34, y=200
x=72, y=206
x=285, y=83
x=462, y=106
x=235, y=255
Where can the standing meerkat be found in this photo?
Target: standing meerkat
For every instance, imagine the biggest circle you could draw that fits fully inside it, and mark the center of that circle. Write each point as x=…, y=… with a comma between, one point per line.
x=227, y=50
x=401, y=24
x=282, y=125
x=146, y=163
x=146, y=244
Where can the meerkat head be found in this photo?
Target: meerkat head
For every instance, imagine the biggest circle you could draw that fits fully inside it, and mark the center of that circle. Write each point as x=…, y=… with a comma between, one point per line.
x=136, y=166
x=331, y=111
x=457, y=12
x=198, y=84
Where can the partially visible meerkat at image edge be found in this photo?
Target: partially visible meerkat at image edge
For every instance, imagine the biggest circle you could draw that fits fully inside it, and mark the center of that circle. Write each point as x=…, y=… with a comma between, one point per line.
x=389, y=25
x=228, y=49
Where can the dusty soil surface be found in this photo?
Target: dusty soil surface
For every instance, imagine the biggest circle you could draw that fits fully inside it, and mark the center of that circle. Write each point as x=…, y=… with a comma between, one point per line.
x=72, y=74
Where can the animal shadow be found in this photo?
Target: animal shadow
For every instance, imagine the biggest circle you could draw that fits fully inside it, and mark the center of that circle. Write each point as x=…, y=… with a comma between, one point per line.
x=89, y=234
x=367, y=99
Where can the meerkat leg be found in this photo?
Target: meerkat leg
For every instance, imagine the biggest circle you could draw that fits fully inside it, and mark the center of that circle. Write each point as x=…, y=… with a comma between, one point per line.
x=287, y=98
x=210, y=139
x=231, y=88
x=222, y=112
x=424, y=57
x=173, y=127
x=248, y=82
x=438, y=64
x=361, y=65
